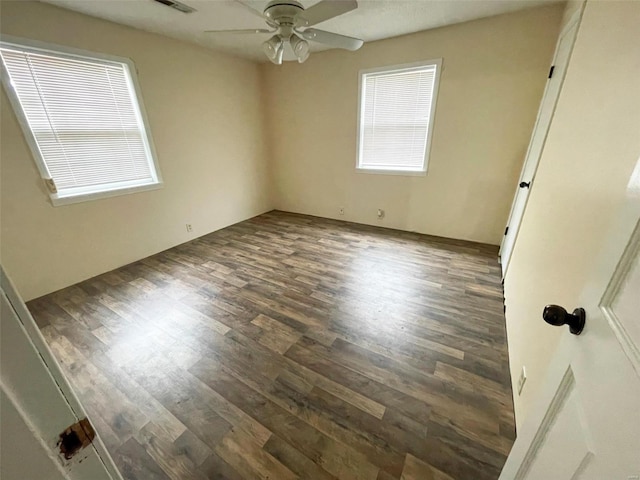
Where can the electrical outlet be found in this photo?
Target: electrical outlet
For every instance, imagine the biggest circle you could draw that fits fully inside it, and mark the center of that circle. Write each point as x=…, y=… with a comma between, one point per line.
x=521, y=380
x=341, y=210
x=380, y=214
x=189, y=227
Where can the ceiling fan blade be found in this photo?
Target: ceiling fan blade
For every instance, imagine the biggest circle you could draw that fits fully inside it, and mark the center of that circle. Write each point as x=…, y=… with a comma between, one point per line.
x=246, y=30
x=332, y=39
x=324, y=10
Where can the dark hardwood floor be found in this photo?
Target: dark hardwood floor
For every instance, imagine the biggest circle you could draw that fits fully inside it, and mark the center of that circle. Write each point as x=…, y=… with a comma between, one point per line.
x=289, y=346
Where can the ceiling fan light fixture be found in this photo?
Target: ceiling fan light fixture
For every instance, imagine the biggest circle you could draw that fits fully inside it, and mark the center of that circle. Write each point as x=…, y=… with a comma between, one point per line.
x=300, y=48
x=292, y=24
x=274, y=49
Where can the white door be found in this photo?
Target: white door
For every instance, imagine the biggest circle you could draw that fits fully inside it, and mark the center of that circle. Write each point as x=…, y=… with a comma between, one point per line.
x=38, y=406
x=538, y=137
x=586, y=424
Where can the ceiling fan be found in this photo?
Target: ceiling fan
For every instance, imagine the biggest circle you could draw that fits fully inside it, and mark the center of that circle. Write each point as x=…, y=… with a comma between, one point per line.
x=289, y=22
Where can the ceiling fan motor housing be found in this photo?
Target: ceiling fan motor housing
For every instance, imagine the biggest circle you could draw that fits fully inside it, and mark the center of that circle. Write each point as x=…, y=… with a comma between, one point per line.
x=283, y=12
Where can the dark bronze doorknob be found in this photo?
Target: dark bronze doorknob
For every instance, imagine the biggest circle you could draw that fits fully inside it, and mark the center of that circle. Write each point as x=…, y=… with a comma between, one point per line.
x=525, y=184
x=556, y=315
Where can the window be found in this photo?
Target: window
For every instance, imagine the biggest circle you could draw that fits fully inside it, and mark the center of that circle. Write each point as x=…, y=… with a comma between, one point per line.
x=397, y=106
x=82, y=120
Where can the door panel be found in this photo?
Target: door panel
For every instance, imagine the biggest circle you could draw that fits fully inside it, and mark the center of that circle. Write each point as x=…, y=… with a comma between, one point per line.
x=587, y=422
x=37, y=409
x=30, y=380
x=538, y=137
x=621, y=302
x=567, y=419
x=548, y=457
x=18, y=440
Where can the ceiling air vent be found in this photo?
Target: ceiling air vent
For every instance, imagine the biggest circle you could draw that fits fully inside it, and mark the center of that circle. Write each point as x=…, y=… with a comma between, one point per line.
x=181, y=7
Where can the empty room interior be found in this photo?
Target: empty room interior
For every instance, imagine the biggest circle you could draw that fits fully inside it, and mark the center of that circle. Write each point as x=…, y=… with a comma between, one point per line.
x=322, y=240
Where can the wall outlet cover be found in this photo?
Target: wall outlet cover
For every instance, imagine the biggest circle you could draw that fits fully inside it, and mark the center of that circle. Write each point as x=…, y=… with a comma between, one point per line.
x=521, y=380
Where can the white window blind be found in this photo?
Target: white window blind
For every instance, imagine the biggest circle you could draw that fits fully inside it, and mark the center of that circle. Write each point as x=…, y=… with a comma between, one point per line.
x=396, y=110
x=84, y=119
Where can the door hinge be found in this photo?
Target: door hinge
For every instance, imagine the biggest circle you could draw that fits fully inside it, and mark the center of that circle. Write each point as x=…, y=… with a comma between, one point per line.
x=553, y=67
x=75, y=438
x=506, y=230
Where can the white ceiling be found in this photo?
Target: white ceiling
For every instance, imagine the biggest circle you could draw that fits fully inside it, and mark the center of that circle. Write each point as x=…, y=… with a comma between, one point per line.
x=373, y=20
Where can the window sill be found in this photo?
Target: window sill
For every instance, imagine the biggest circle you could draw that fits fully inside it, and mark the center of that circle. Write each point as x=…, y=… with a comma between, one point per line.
x=382, y=171
x=86, y=197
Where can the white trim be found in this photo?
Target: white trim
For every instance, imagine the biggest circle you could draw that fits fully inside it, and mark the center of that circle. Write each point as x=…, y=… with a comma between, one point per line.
x=84, y=197
x=438, y=62
x=107, y=190
x=558, y=383
x=63, y=50
x=566, y=386
x=384, y=171
x=629, y=346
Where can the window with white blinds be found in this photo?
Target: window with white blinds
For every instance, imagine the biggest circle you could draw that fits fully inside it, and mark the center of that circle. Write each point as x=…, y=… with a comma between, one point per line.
x=82, y=119
x=397, y=105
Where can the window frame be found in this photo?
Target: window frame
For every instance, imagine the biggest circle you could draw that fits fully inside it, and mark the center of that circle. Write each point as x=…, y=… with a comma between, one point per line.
x=121, y=188
x=391, y=69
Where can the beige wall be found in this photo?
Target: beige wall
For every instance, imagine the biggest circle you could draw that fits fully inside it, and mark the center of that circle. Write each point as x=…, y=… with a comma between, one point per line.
x=592, y=147
x=205, y=114
x=494, y=75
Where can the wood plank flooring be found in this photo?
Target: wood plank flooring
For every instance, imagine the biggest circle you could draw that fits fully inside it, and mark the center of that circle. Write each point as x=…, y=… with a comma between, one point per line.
x=293, y=347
